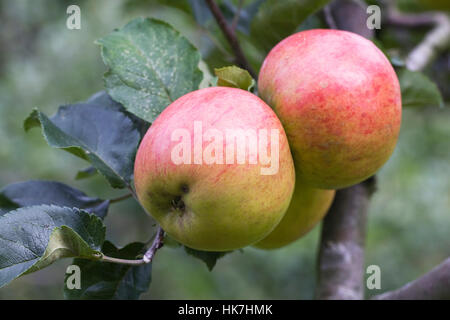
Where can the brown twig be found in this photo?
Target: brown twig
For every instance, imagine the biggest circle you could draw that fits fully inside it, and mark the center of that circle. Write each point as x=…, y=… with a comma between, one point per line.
x=230, y=35
x=435, y=285
x=341, y=251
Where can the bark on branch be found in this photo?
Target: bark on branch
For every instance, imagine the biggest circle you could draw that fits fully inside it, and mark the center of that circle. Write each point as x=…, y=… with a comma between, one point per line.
x=435, y=285
x=341, y=253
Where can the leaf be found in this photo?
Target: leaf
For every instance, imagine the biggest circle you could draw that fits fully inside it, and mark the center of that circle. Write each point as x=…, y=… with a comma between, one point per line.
x=275, y=20
x=103, y=98
x=38, y=192
x=25, y=234
x=86, y=173
x=208, y=257
x=418, y=90
x=103, y=280
x=6, y=204
x=234, y=77
x=95, y=131
x=64, y=243
x=150, y=65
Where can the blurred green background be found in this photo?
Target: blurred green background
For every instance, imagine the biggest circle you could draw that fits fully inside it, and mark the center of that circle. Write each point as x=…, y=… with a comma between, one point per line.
x=43, y=64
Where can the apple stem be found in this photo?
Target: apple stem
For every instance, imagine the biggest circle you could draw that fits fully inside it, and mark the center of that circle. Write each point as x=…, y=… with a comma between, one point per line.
x=148, y=256
x=150, y=253
x=123, y=261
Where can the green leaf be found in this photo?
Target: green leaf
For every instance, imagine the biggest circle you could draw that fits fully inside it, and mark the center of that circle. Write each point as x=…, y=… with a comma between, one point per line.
x=150, y=65
x=86, y=173
x=104, y=99
x=277, y=19
x=96, y=131
x=26, y=233
x=234, y=77
x=64, y=243
x=208, y=257
x=38, y=192
x=103, y=280
x=418, y=90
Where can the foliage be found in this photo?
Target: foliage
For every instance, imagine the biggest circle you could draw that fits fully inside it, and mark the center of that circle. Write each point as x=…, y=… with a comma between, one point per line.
x=37, y=192
x=418, y=90
x=150, y=66
x=283, y=17
x=84, y=129
x=34, y=237
x=103, y=280
x=234, y=77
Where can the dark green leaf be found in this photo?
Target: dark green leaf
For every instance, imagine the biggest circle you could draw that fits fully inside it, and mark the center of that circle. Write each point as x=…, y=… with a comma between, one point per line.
x=418, y=90
x=234, y=77
x=103, y=280
x=208, y=257
x=86, y=173
x=150, y=65
x=25, y=235
x=37, y=192
x=104, y=99
x=277, y=19
x=95, y=131
x=6, y=204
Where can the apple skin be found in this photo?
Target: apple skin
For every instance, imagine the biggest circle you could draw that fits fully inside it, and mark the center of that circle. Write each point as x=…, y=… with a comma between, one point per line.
x=217, y=207
x=339, y=100
x=308, y=206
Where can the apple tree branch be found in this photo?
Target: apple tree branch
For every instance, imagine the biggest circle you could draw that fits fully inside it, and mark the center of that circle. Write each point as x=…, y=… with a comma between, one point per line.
x=340, y=268
x=435, y=285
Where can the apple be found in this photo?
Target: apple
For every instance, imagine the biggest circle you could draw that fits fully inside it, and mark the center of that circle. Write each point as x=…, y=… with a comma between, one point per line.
x=308, y=206
x=215, y=169
x=339, y=101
